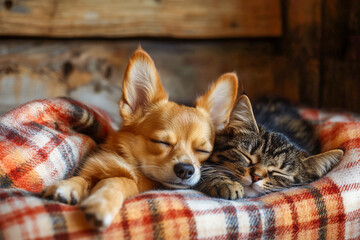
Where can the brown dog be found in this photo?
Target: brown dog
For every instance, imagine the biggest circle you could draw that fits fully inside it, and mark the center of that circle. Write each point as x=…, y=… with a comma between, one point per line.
x=160, y=143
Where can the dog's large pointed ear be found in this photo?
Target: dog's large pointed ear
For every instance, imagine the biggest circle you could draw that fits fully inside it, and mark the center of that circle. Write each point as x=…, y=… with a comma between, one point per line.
x=318, y=165
x=242, y=117
x=220, y=99
x=141, y=85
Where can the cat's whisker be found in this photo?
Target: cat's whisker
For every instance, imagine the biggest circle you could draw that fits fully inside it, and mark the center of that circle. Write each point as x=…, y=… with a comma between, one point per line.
x=272, y=188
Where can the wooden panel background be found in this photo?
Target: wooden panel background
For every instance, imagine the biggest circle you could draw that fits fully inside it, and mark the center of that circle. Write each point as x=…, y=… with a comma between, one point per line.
x=92, y=69
x=341, y=55
x=124, y=18
x=315, y=62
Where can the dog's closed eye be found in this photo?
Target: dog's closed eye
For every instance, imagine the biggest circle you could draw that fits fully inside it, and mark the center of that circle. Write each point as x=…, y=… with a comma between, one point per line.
x=202, y=151
x=161, y=142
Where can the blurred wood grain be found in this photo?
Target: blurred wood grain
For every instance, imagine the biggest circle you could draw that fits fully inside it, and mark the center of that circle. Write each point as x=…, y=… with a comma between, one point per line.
x=91, y=70
x=315, y=61
x=127, y=18
x=300, y=74
x=341, y=55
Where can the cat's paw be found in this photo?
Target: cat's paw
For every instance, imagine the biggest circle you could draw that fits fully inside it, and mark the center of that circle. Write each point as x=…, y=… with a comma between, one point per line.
x=228, y=189
x=64, y=191
x=98, y=212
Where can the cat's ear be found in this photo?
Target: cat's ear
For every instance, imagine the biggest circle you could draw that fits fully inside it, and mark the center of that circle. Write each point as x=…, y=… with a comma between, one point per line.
x=220, y=99
x=318, y=165
x=242, y=117
x=141, y=85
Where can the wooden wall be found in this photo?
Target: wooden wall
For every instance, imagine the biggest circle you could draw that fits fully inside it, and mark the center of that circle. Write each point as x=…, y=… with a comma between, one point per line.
x=313, y=59
x=124, y=18
x=340, y=55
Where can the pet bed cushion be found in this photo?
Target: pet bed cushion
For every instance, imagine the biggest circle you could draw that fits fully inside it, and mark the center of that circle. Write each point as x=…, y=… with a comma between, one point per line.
x=43, y=141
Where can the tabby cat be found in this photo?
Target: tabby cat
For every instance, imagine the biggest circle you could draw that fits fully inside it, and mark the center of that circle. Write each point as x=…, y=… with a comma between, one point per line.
x=263, y=151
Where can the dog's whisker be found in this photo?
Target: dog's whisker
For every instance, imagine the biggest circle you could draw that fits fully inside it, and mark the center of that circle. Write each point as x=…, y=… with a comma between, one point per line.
x=147, y=166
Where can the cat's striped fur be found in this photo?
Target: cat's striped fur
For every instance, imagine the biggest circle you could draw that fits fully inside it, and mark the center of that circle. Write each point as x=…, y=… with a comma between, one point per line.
x=253, y=157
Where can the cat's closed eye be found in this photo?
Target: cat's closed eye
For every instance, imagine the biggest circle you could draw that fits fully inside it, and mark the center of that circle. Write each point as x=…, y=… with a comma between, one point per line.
x=277, y=176
x=247, y=158
x=276, y=173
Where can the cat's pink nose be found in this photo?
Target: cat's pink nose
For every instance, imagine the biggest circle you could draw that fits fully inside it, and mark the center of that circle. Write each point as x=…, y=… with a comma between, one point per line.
x=256, y=178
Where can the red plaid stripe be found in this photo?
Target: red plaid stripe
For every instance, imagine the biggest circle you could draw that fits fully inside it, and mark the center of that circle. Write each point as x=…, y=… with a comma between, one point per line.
x=326, y=209
x=43, y=141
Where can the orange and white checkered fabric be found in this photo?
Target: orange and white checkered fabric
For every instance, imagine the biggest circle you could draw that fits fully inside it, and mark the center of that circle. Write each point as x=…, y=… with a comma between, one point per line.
x=326, y=209
x=43, y=141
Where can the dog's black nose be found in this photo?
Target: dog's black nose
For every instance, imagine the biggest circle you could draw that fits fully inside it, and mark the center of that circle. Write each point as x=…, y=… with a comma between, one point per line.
x=184, y=171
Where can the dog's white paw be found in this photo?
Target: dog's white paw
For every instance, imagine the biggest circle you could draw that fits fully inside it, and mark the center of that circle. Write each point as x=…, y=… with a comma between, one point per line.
x=98, y=212
x=65, y=192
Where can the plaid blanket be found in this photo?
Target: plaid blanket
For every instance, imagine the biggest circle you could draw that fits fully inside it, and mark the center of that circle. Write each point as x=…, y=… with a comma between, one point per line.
x=326, y=209
x=42, y=141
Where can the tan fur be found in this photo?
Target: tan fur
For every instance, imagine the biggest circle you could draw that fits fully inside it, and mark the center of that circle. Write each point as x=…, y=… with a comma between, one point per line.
x=210, y=101
x=156, y=136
